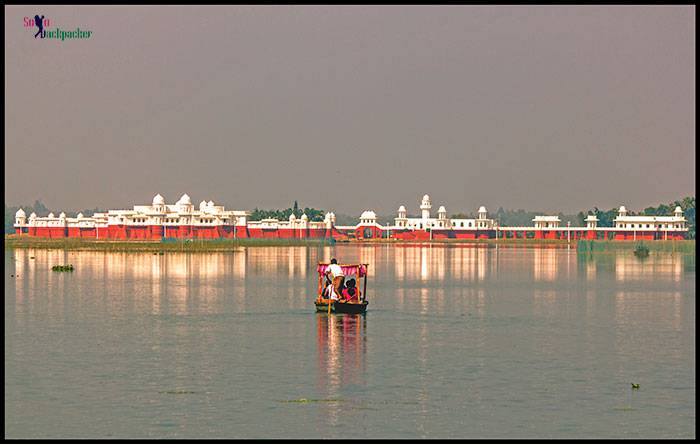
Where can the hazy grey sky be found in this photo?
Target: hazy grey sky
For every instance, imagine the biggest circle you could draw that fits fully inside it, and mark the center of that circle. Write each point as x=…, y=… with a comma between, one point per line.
x=352, y=107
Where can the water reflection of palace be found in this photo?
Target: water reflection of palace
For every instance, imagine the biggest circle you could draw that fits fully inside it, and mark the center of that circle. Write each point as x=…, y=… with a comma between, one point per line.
x=475, y=263
x=440, y=262
x=629, y=267
x=148, y=280
x=545, y=264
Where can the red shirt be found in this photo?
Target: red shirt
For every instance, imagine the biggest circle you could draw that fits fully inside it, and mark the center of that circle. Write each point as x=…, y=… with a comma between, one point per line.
x=355, y=297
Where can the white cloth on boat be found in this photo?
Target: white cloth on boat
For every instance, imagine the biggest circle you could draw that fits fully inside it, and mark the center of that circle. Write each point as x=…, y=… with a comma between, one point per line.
x=330, y=291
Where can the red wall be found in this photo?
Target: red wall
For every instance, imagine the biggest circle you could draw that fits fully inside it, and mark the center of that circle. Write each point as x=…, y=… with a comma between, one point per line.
x=376, y=233
x=227, y=232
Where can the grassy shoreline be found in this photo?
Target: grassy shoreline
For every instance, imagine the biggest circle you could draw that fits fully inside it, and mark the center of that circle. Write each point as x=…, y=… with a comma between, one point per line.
x=155, y=246
x=13, y=241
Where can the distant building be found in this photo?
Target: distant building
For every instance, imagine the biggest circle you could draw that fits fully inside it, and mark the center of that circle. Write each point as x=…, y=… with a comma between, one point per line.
x=159, y=220
x=546, y=221
x=181, y=220
x=649, y=227
x=426, y=226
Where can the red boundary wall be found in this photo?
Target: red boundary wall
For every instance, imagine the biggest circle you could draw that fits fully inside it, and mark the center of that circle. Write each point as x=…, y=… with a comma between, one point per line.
x=151, y=232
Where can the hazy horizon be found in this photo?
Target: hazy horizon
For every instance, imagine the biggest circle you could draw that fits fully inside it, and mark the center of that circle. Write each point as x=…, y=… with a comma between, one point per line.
x=348, y=108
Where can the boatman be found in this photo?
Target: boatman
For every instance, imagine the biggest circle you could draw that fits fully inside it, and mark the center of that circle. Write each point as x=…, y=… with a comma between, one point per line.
x=335, y=273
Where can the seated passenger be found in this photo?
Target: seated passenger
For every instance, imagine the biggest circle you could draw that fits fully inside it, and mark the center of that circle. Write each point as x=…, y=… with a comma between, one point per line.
x=350, y=293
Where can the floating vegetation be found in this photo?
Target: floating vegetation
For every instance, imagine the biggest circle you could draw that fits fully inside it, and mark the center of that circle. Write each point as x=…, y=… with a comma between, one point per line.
x=306, y=401
x=641, y=250
x=177, y=392
x=68, y=267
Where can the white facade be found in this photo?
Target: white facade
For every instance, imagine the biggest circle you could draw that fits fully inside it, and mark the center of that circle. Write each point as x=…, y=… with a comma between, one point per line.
x=591, y=221
x=181, y=213
x=546, y=221
x=294, y=223
x=647, y=223
x=158, y=213
x=441, y=222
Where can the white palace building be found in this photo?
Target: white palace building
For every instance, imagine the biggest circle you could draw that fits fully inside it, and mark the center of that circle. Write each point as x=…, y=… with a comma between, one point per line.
x=178, y=220
x=181, y=220
x=427, y=227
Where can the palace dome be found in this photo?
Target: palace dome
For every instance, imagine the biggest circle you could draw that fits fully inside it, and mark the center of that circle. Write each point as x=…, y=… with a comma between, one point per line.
x=50, y=215
x=482, y=209
x=402, y=208
x=211, y=203
x=80, y=215
x=623, y=209
x=368, y=215
x=678, y=210
x=442, y=209
x=32, y=216
x=304, y=217
x=62, y=215
x=20, y=213
x=185, y=200
x=158, y=200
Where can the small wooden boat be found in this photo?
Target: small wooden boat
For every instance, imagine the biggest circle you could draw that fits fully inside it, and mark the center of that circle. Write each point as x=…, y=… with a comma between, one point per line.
x=355, y=307
x=341, y=307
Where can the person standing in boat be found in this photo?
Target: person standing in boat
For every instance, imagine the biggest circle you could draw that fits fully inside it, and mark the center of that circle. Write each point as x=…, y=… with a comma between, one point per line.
x=335, y=273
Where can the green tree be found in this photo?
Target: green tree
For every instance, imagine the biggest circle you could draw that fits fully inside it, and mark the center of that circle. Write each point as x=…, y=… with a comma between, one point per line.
x=313, y=214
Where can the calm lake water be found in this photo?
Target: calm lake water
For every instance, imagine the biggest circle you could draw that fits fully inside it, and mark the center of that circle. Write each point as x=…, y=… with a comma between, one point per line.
x=458, y=342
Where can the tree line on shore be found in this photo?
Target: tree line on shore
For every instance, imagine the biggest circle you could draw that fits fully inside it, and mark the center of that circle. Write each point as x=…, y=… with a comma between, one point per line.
x=313, y=214
x=504, y=217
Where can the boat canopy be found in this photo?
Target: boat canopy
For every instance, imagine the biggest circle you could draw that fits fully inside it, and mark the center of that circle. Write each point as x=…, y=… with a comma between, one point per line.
x=360, y=270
